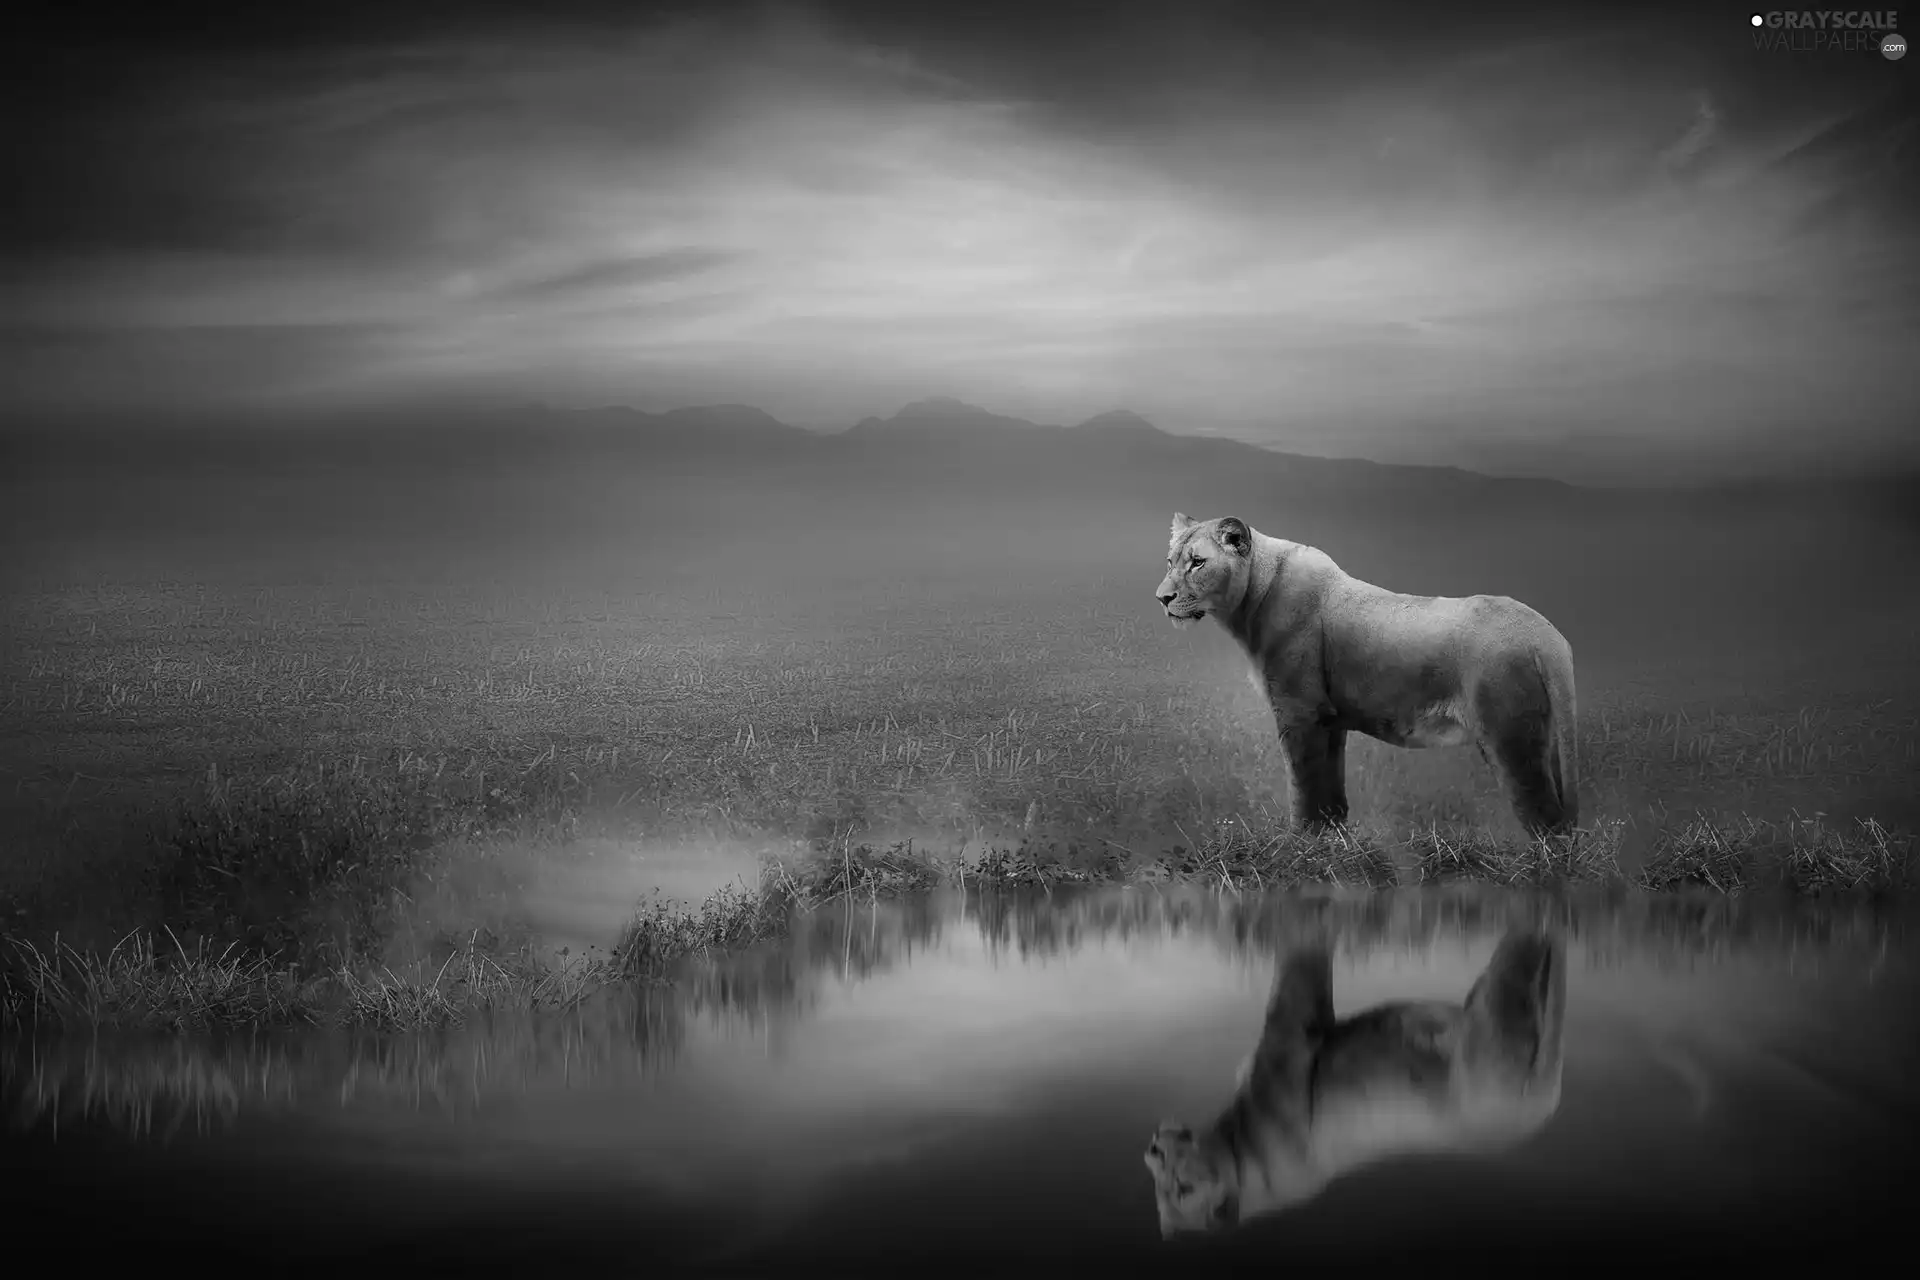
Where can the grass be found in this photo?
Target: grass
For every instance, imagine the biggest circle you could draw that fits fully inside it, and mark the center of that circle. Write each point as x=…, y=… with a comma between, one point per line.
x=142, y=985
x=1803, y=854
x=662, y=933
x=224, y=801
x=1587, y=855
x=137, y=983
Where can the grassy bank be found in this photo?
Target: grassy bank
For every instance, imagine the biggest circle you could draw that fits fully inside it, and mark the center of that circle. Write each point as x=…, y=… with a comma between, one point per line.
x=288, y=892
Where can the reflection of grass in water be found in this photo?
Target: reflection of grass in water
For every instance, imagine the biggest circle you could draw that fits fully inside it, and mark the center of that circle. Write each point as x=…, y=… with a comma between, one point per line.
x=174, y=1081
x=1414, y=920
x=143, y=1084
x=140, y=984
x=622, y=1031
x=614, y=1034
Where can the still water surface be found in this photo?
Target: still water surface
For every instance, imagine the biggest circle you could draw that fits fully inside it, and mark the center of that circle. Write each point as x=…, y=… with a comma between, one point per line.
x=968, y=1080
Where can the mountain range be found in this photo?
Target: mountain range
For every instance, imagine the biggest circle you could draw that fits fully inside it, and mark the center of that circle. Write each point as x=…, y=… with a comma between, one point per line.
x=929, y=446
x=962, y=440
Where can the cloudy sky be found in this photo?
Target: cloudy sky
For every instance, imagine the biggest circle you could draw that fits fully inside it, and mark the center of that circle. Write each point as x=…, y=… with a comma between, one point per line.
x=1605, y=243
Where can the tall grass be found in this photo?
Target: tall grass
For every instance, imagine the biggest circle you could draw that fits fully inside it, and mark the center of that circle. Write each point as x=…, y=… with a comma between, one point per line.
x=142, y=984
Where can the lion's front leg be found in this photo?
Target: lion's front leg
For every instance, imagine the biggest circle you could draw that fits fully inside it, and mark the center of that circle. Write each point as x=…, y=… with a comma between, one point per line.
x=1317, y=758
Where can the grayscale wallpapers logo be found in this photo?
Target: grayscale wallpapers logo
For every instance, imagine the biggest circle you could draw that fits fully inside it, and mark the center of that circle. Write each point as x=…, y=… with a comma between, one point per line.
x=1830, y=31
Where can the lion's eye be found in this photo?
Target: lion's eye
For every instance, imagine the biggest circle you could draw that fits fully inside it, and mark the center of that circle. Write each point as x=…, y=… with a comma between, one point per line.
x=1196, y=562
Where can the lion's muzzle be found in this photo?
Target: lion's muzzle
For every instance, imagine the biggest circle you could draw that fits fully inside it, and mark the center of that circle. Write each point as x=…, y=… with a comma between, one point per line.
x=1182, y=613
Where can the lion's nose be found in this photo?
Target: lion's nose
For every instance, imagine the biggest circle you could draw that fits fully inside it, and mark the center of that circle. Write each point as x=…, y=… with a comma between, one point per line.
x=1164, y=597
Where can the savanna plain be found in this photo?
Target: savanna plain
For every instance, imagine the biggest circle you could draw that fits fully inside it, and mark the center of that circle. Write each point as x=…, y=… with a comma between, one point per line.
x=378, y=739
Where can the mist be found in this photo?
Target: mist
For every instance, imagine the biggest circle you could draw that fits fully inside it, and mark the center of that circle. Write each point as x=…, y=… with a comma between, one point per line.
x=943, y=504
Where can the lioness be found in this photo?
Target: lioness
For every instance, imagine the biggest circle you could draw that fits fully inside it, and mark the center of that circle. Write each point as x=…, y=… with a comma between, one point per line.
x=1336, y=654
x=1320, y=1098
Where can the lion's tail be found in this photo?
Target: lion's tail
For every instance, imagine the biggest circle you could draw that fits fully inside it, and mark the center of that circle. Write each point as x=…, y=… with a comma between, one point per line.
x=1563, y=758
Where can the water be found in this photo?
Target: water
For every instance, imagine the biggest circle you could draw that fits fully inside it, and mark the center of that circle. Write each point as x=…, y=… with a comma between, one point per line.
x=976, y=1081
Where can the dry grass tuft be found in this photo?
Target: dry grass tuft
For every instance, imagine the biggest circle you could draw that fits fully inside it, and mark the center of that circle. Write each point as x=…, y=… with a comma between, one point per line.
x=139, y=984
x=662, y=933
x=1822, y=860
x=1239, y=858
x=1702, y=854
x=1589, y=855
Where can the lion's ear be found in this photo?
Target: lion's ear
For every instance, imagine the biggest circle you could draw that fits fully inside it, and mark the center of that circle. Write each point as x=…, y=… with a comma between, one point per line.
x=1233, y=535
x=1182, y=522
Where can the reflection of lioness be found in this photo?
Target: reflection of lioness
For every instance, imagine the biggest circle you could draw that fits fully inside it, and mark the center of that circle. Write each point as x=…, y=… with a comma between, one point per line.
x=1320, y=1098
x=1335, y=654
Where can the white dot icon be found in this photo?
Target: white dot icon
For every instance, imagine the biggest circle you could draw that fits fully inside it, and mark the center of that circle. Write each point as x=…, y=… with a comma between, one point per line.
x=1756, y=20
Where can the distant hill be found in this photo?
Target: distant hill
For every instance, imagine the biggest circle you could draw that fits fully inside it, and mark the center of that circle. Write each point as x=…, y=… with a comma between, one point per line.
x=1120, y=422
x=1120, y=451
x=941, y=417
x=937, y=449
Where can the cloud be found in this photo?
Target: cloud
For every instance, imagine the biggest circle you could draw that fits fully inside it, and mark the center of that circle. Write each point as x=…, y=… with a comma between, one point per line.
x=1222, y=226
x=620, y=273
x=1706, y=121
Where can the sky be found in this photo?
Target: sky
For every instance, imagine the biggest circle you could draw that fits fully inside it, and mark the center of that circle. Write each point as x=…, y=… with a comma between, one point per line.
x=1603, y=243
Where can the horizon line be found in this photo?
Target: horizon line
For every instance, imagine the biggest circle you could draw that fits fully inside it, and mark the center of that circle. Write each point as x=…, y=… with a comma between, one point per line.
x=159, y=421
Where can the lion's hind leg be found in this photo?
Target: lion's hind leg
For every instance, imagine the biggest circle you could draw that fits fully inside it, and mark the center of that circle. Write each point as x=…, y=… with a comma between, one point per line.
x=1529, y=777
x=1516, y=734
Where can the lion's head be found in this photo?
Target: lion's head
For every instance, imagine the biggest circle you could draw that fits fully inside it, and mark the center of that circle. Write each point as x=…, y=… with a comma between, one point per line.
x=1208, y=563
x=1196, y=1190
